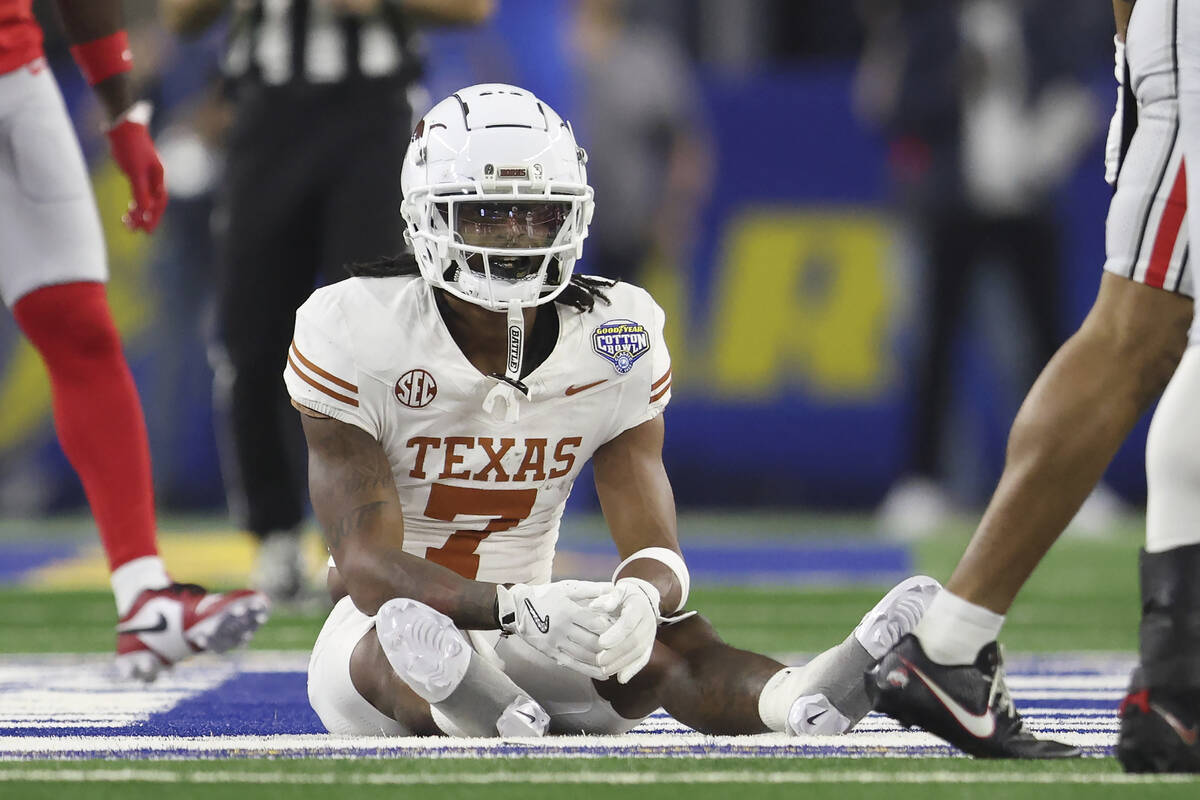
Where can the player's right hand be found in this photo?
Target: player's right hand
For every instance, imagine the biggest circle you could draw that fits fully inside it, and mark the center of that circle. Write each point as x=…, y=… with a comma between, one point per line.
x=133, y=150
x=555, y=619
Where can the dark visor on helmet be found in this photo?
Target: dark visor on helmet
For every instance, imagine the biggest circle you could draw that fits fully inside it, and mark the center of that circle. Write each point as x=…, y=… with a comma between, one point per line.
x=510, y=224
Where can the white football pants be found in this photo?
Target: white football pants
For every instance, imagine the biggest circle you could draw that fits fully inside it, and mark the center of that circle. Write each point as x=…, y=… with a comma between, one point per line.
x=49, y=229
x=1173, y=447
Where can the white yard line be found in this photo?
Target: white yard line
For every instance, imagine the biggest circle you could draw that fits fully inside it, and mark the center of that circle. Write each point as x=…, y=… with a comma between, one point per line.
x=694, y=776
x=649, y=744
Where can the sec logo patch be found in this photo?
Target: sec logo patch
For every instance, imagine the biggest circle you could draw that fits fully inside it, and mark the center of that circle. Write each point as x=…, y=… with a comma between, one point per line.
x=416, y=388
x=621, y=342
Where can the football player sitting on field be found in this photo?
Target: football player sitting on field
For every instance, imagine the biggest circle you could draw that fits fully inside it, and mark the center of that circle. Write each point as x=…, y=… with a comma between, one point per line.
x=449, y=404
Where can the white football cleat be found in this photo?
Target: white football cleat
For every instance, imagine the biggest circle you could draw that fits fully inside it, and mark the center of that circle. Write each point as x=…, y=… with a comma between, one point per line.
x=914, y=509
x=896, y=614
x=815, y=715
x=470, y=695
x=165, y=626
x=424, y=647
x=279, y=570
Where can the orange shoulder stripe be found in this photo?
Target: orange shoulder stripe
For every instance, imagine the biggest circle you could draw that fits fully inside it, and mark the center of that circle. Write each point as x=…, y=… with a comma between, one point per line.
x=350, y=401
x=327, y=376
x=658, y=382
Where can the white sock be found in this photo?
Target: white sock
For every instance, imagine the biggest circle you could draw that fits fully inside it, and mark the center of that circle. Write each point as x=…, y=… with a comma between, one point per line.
x=777, y=696
x=1173, y=462
x=134, y=577
x=953, y=631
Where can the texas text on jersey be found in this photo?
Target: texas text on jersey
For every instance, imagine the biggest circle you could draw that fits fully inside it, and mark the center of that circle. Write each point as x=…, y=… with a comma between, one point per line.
x=481, y=495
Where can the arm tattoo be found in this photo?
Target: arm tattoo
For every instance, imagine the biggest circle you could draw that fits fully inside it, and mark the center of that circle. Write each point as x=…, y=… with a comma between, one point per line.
x=363, y=476
x=353, y=521
x=351, y=479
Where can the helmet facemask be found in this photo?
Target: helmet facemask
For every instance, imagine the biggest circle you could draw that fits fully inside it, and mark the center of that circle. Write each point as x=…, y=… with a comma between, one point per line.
x=511, y=244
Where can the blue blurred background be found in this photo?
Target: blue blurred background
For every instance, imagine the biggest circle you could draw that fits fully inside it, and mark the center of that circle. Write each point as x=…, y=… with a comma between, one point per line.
x=785, y=204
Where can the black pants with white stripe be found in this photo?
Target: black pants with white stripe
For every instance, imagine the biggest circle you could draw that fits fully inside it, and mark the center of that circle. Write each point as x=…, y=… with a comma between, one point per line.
x=312, y=184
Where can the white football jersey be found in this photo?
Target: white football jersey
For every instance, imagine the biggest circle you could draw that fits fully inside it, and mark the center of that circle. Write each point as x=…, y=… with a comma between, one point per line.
x=481, y=495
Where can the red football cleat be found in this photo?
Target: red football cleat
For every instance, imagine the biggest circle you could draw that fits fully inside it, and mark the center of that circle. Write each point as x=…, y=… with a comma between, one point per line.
x=165, y=626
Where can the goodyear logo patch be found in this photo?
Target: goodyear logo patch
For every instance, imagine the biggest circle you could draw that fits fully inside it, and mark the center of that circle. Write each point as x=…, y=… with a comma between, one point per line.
x=621, y=342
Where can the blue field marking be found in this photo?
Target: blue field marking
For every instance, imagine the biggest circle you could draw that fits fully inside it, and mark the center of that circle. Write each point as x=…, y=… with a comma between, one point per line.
x=765, y=561
x=743, y=560
x=254, y=703
x=20, y=558
x=70, y=707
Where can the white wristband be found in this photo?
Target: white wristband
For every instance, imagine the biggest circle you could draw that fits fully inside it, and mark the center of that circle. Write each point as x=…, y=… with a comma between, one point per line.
x=673, y=562
x=139, y=113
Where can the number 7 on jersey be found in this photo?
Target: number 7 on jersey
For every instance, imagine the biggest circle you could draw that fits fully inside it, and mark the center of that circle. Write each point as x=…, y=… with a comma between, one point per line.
x=446, y=502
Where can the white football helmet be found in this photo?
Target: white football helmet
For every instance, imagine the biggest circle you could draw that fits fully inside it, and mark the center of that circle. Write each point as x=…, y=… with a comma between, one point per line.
x=496, y=197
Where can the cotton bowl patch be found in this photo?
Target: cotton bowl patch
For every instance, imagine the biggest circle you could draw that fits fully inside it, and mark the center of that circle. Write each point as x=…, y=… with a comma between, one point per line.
x=622, y=342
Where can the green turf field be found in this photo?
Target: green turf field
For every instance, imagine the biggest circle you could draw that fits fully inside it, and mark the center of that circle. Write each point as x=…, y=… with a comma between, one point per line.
x=514, y=779
x=1084, y=597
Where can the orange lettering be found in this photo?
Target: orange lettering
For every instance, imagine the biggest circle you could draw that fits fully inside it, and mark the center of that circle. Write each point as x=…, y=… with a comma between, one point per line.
x=422, y=443
x=494, y=457
x=534, y=461
x=453, y=459
x=560, y=454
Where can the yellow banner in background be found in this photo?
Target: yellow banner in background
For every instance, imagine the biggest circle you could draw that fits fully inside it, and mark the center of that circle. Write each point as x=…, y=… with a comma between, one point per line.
x=803, y=301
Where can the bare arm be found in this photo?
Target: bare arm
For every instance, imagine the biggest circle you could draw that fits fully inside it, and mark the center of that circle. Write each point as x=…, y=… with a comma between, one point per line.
x=88, y=20
x=191, y=17
x=354, y=497
x=638, y=505
x=1121, y=11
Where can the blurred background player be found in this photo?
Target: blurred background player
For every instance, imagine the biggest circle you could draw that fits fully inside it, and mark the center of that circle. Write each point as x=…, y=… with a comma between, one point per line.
x=52, y=275
x=641, y=110
x=948, y=676
x=987, y=113
x=321, y=98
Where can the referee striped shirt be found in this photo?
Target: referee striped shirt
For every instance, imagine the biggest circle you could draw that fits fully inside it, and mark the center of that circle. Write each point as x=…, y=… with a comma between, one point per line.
x=282, y=42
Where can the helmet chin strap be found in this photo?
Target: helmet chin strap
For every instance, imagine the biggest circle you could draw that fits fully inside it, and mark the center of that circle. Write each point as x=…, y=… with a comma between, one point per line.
x=508, y=384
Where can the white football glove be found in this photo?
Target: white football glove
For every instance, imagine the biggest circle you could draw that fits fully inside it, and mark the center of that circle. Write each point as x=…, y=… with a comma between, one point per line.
x=626, y=646
x=555, y=619
x=1112, y=145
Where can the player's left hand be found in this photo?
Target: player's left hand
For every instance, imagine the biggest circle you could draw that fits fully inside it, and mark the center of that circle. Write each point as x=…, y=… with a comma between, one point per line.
x=133, y=150
x=626, y=646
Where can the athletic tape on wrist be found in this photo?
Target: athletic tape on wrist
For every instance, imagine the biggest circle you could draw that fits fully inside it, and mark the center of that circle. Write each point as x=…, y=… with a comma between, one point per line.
x=506, y=609
x=102, y=58
x=672, y=560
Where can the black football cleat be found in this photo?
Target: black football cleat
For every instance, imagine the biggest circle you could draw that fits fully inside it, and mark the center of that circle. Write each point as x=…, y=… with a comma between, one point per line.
x=968, y=705
x=1159, y=732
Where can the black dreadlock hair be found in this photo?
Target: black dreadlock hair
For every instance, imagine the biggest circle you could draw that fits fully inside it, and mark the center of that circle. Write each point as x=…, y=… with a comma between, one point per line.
x=581, y=293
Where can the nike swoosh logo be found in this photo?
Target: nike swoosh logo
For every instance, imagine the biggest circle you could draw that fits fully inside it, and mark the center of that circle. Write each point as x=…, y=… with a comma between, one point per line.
x=157, y=627
x=816, y=716
x=981, y=726
x=1189, y=735
x=577, y=389
x=542, y=623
